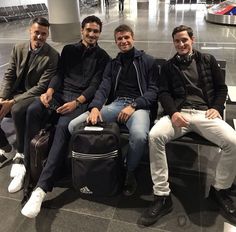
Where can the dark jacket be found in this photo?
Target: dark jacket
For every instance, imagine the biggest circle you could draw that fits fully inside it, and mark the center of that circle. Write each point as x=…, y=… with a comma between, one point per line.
x=80, y=70
x=172, y=89
x=42, y=69
x=147, y=75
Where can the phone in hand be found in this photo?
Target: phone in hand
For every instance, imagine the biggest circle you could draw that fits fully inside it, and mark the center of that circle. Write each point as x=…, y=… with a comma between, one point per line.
x=54, y=104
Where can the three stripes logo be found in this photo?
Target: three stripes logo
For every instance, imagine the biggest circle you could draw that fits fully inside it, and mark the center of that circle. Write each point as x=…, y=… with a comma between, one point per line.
x=86, y=190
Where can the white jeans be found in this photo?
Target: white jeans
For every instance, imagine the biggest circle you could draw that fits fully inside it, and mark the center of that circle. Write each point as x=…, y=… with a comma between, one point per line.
x=214, y=130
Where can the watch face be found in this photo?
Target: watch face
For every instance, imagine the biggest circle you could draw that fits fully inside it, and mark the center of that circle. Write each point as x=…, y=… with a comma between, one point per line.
x=134, y=104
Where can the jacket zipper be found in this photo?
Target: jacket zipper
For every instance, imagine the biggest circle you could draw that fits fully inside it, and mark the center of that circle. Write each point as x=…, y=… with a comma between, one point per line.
x=138, y=78
x=117, y=77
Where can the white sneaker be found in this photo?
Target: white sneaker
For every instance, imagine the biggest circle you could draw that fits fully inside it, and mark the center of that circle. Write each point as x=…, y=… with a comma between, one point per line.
x=6, y=156
x=18, y=165
x=17, y=182
x=33, y=206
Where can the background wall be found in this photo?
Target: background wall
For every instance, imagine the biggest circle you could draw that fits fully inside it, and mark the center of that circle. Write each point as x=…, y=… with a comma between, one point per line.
x=20, y=2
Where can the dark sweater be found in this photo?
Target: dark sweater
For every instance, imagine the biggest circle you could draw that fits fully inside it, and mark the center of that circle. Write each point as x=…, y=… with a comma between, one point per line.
x=128, y=84
x=80, y=70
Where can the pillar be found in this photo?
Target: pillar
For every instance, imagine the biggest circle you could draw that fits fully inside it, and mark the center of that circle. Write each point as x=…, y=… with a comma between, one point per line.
x=64, y=20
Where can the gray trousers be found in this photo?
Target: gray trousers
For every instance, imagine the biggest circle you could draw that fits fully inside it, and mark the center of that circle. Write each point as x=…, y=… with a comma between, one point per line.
x=215, y=130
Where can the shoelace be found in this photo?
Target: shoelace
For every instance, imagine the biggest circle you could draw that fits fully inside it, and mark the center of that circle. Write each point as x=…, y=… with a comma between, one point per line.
x=2, y=152
x=38, y=196
x=227, y=202
x=18, y=155
x=157, y=205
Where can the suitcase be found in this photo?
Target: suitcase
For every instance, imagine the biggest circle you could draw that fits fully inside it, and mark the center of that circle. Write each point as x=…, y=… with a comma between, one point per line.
x=97, y=160
x=39, y=148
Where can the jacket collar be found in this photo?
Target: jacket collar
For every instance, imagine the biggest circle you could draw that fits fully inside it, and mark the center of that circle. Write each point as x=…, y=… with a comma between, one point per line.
x=137, y=53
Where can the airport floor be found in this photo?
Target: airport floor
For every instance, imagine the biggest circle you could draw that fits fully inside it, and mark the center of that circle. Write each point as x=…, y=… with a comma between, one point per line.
x=191, y=167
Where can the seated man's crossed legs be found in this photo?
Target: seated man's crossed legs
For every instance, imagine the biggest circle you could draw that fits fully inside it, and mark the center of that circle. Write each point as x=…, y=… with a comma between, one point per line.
x=7, y=152
x=19, y=112
x=35, y=116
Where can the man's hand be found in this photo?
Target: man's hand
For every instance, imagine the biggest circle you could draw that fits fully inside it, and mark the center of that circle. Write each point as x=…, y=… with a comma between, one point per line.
x=94, y=116
x=67, y=107
x=125, y=114
x=178, y=120
x=6, y=106
x=213, y=113
x=45, y=98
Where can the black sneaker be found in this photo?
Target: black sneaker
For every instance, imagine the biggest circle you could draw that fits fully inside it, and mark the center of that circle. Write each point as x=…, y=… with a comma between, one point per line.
x=225, y=203
x=232, y=190
x=161, y=206
x=130, y=184
x=6, y=156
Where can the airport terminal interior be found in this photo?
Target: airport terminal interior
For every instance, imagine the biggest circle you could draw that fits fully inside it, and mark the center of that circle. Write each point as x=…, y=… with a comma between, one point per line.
x=191, y=166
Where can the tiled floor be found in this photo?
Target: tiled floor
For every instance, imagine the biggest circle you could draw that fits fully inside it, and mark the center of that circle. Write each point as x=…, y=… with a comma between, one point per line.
x=64, y=209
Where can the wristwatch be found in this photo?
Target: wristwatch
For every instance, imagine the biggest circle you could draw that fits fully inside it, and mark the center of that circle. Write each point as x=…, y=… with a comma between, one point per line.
x=77, y=102
x=134, y=105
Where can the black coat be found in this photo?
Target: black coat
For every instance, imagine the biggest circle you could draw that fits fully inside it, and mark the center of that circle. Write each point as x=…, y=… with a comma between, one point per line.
x=172, y=89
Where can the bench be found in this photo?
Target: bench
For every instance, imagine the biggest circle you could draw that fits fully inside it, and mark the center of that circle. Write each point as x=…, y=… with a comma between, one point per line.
x=11, y=13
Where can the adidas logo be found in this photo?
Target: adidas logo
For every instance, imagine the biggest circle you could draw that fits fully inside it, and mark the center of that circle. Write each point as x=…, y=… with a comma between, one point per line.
x=86, y=190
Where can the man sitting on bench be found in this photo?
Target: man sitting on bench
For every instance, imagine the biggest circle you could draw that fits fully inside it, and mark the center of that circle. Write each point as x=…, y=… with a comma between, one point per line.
x=192, y=92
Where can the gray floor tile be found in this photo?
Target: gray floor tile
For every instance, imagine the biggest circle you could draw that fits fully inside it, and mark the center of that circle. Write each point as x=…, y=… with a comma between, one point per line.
x=10, y=216
x=50, y=220
x=118, y=226
x=5, y=181
x=71, y=201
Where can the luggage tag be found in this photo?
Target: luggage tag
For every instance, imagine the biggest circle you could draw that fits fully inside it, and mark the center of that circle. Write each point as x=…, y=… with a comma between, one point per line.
x=98, y=127
x=93, y=128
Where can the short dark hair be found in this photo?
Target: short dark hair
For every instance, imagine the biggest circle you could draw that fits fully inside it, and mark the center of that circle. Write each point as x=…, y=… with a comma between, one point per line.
x=41, y=21
x=92, y=19
x=182, y=28
x=122, y=28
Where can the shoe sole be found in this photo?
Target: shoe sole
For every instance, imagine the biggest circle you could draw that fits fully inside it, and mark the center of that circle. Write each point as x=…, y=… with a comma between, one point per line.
x=5, y=162
x=144, y=222
x=129, y=194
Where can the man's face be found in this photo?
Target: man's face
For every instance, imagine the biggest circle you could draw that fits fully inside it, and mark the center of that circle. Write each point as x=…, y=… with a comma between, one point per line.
x=90, y=34
x=124, y=41
x=183, y=43
x=38, y=35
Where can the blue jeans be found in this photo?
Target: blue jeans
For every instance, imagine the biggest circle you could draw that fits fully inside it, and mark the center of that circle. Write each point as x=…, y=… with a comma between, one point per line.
x=138, y=125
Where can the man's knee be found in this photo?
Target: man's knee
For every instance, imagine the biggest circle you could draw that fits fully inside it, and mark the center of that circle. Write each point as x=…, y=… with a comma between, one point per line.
x=139, y=136
x=16, y=110
x=34, y=107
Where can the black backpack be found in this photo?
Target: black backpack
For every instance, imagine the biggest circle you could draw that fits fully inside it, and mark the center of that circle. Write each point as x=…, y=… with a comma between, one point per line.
x=97, y=160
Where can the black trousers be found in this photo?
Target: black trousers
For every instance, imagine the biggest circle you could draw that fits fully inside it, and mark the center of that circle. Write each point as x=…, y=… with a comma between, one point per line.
x=18, y=114
x=3, y=138
x=59, y=150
